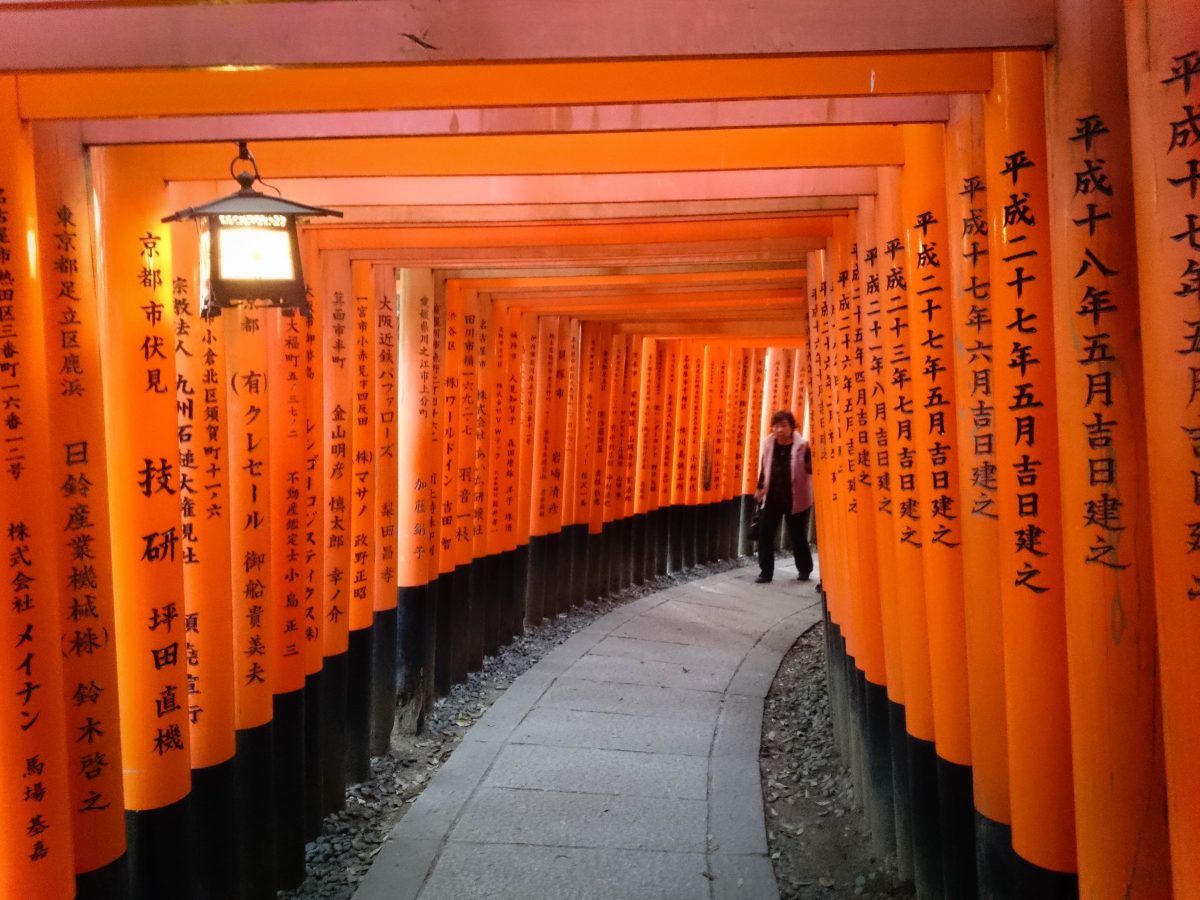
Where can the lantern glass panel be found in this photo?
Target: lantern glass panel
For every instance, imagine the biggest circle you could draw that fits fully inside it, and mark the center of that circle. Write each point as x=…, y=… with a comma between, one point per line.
x=255, y=254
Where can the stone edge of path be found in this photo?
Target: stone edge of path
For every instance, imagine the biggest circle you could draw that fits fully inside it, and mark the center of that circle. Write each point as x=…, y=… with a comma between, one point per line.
x=409, y=853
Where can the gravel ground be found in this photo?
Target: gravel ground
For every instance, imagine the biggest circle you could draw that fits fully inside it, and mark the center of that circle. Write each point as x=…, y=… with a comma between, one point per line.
x=338, y=859
x=816, y=834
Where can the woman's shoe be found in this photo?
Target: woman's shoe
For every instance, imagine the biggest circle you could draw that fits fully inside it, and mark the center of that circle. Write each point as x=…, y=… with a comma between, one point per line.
x=763, y=579
x=803, y=576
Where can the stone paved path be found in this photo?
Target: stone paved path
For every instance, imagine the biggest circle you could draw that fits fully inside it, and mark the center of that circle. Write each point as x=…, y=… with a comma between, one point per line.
x=623, y=765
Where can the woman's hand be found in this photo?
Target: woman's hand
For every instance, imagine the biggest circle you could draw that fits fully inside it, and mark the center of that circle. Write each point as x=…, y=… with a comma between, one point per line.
x=760, y=495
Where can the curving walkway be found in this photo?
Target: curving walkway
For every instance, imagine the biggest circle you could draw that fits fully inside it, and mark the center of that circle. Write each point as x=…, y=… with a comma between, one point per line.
x=623, y=765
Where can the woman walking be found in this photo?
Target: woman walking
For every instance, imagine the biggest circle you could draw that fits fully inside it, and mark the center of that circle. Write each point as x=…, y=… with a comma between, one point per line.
x=784, y=492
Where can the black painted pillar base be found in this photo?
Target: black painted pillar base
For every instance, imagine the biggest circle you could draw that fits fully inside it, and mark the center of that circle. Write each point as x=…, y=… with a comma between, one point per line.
x=287, y=736
x=535, y=580
x=579, y=564
x=313, y=772
x=881, y=808
x=689, y=536
x=157, y=853
x=956, y=803
x=476, y=622
x=414, y=652
x=112, y=881
x=384, y=649
x=520, y=583
x=674, y=538
x=927, y=838
x=460, y=611
x=994, y=859
x=665, y=537
x=356, y=705
x=745, y=545
x=625, y=562
x=596, y=571
x=716, y=532
x=333, y=734
x=504, y=597
x=489, y=591
x=441, y=591
x=254, y=825
x=557, y=597
x=614, y=546
x=901, y=790
x=637, y=548
x=214, y=875
x=1035, y=883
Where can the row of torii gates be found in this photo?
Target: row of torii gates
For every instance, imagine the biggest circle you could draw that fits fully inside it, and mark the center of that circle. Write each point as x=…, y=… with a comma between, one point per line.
x=543, y=350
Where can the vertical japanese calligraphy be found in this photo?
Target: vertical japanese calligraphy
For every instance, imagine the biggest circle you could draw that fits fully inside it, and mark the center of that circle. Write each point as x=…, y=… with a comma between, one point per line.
x=1163, y=55
x=1027, y=483
x=36, y=855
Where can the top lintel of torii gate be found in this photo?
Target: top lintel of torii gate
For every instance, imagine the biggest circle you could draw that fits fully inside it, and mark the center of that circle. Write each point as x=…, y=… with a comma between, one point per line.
x=132, y=34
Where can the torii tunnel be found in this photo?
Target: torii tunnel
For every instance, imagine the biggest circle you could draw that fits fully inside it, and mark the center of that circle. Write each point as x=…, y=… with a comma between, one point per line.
x=587, y=250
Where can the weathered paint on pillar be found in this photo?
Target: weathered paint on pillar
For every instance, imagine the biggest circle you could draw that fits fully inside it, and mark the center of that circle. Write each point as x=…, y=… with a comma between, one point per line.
x=1030, y=523
x=1163, y=41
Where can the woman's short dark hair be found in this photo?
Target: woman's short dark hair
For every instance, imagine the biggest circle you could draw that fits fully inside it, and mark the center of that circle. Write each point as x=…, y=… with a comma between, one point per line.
x=783, y=415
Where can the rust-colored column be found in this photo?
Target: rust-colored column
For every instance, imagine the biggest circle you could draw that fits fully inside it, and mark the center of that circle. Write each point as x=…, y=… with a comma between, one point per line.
x=84, y=553
x=1163, y=41
x=138, y=335
x=1120, y=796
x=1030, y=523
x=916, y=788
x=973, y=357
x=925, y=212
x=36, y=854
x=417, y=471
x=334, y=307
x=387, y=483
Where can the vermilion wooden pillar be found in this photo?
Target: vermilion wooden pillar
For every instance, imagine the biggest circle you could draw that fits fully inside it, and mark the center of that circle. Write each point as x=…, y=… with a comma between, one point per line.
x=36, y=854
x=973, y=356
x=1028, y=504
x=138, y=335
x=916, y=791
x=84, y=558
x=203, y=421
x=923, y=206
x=1120, y=797
x=1163, y=40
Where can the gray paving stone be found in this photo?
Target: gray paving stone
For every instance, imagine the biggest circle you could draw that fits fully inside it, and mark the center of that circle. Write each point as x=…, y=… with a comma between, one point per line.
x=739, y=727
x=714, y=658
x=557, y=819
x=655, y=628
x=592, y=771
x=522, y=872
x=649, y=671
x=399, y=871
x=633, y=699
x=612, y=766
x=613, y=731
x=743, y=878
x=735, y=806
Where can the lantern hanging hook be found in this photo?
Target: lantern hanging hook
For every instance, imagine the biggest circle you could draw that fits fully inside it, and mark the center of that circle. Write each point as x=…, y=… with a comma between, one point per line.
x=243, y=176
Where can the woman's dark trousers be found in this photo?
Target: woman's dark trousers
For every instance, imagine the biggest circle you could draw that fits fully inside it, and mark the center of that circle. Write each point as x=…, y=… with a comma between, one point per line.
x=797, y=525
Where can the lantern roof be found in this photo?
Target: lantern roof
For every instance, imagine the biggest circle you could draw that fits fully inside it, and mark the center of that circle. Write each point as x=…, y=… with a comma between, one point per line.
x=247, y=202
